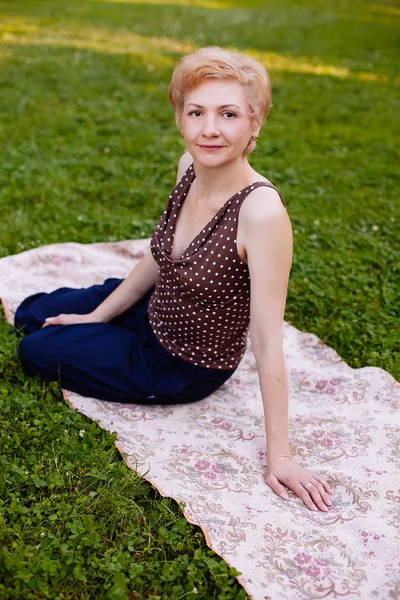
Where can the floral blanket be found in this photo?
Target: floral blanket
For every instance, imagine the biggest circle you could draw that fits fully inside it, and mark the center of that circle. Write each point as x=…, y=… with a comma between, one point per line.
x=344, y=423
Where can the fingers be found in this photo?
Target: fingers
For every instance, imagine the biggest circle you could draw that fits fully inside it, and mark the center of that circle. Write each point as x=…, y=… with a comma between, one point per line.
x=315, y=497
x=307, y=496
x=67, y=319
x=326, y=485
x=53, y=321
x=277, y=487
x=326, y=497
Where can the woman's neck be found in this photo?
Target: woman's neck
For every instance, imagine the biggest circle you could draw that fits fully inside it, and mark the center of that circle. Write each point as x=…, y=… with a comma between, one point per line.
x=216, y=184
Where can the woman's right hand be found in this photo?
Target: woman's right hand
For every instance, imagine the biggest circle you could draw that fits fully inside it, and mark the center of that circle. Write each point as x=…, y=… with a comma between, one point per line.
x=69, y=320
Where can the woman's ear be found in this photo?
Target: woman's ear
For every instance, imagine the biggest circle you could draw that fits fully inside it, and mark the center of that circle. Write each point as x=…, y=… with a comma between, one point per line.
x=256, y=130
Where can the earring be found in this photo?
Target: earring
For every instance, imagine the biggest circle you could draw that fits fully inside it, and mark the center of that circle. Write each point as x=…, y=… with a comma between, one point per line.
x=254, y=138
x=182, y=134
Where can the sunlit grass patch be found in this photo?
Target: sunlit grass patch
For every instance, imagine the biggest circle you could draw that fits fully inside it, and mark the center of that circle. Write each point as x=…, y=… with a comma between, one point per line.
x=209, y=4
x=153, y=49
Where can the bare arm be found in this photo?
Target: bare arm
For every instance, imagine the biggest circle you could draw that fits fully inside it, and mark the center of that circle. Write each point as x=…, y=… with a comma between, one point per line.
x=143, y=276
x=184, y=163
x=268, y=243
x=141, y=279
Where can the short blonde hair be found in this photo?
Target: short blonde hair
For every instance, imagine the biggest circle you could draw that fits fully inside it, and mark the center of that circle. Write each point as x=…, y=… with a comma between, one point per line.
x=218, y=63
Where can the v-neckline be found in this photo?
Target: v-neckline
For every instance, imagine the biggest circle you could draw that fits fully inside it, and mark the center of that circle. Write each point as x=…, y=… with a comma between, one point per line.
x=178, y=211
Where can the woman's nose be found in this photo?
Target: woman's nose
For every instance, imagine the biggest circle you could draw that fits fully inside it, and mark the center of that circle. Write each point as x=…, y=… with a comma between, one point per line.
x=210, y=127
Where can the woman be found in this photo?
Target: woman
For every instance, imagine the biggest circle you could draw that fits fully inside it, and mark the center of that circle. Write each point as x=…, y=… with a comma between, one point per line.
x=175, y=329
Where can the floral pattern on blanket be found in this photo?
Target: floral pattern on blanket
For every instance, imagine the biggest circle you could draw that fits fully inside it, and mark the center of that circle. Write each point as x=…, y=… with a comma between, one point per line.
x=211, y=455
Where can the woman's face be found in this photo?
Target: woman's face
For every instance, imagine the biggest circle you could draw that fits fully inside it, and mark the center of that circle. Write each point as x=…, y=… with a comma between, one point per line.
x=216, y=122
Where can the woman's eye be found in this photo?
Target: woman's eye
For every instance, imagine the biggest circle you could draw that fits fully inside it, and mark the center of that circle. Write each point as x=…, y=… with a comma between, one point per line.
x=198, y=113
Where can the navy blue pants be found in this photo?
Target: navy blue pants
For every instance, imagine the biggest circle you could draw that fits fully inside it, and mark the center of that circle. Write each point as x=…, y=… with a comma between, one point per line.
x=120, y=361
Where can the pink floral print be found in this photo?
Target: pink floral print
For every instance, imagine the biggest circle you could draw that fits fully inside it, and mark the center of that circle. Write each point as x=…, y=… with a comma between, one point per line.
x=211, y=455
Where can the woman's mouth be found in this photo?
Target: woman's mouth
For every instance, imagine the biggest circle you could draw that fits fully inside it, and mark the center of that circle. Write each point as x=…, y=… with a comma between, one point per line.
x=210, y=147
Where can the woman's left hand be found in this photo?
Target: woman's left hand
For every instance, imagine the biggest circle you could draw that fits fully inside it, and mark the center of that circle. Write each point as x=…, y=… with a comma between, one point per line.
x=294, y=476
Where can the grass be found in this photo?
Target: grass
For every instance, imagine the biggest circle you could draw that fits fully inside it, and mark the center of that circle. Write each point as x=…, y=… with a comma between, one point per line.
x=90, y=155
x=76, y=523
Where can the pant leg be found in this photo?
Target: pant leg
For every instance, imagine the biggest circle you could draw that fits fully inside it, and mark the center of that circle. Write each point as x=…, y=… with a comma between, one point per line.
x=120, y=361
x=99, y=360
x=177, y=380
x=204, y=385
x=32, y=312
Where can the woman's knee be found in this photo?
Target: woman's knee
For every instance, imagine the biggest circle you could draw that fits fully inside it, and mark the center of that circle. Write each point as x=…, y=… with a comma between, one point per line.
x=35, y=357
x=25, y=319
x=27, y=350
x=33, y=311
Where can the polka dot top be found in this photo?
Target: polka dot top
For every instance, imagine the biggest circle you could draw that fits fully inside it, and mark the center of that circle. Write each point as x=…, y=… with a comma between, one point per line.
x=200, y=308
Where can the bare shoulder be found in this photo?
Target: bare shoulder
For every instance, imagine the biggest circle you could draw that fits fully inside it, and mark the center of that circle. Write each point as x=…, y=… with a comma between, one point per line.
x=184, y=163
x=263, y=203
x=264, y=223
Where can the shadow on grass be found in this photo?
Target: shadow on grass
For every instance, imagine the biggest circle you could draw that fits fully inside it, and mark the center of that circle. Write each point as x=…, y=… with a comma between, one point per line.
x=305, y=35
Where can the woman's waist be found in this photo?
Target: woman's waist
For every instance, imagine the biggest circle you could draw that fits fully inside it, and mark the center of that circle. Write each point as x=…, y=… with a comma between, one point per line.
x=234, y=308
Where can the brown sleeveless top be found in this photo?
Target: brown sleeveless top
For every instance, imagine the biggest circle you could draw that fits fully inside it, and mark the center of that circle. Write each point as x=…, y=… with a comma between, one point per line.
x=200, y=308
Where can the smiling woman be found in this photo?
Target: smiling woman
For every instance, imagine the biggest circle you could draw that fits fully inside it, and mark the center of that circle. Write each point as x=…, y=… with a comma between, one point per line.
x=248, y=76
x=219, y=262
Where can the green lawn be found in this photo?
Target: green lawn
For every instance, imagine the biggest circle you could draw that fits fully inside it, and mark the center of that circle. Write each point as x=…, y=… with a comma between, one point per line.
x=90, y=150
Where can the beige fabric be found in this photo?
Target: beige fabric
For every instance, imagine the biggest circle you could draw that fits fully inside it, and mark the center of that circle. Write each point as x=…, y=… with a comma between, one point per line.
x=344, y=423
